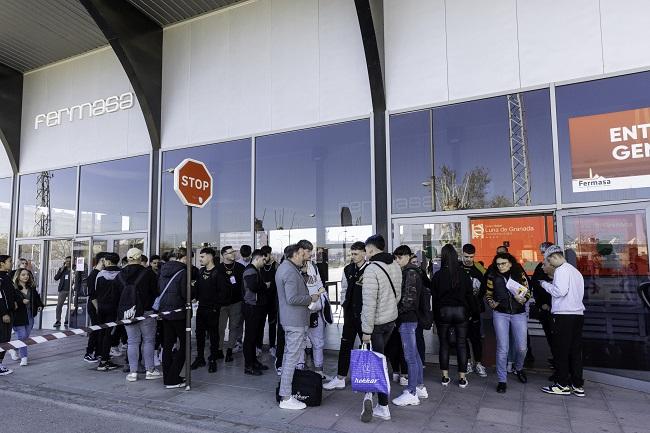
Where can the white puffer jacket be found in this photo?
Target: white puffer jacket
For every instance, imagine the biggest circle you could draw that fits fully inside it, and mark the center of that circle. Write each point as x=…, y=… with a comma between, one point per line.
x=379, y=301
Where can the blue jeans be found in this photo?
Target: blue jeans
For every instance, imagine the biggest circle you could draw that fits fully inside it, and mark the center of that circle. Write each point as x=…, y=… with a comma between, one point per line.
x=411, y=355
x=23, y=332
x=141, y=332
x=504, y=324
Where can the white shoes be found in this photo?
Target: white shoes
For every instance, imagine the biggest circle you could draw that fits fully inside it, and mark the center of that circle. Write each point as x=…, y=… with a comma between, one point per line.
x=510, y=368
x=292, y=404
x=395, y=377
x=470, y=368
x=480, y=370
x=14, y=354
x=381, y=412
x=367, y=412
x=404, y=380
x=406, y=399
x=335, y=383
x=421, y=392
x=153, y=374
x=132, y=377
x=23, y=361
x=115, y=351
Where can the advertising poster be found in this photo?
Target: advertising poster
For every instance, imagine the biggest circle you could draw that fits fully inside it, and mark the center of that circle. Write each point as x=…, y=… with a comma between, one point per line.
x=610, y=151
x=521, y=234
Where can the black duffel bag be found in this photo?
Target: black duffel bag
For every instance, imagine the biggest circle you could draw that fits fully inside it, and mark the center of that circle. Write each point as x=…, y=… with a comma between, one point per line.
x=307, y=387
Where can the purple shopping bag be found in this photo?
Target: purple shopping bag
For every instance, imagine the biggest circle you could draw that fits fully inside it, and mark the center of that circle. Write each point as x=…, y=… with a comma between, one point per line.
x=369, y=371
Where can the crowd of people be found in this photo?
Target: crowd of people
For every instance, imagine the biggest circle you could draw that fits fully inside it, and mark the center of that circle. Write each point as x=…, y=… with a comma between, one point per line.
x=388, y=301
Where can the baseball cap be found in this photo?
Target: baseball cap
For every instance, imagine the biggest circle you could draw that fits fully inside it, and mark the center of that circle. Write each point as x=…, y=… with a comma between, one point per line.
x=133, y=254
x=552, y=250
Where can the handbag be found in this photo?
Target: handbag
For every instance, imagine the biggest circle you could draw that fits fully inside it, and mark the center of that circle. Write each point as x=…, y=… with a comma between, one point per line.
x=307, y=387
x=369, y=371
x=156, y=302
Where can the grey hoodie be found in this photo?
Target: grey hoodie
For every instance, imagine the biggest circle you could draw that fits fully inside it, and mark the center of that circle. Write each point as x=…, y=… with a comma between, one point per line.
x=293, y=296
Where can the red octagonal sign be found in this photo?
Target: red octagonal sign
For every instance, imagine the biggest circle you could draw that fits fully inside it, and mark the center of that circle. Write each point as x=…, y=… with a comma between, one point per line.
x=193, y=183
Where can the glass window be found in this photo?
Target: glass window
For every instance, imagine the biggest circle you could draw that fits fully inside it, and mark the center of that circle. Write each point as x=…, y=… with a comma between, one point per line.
x=410, y=162
x=603, y=139
x=114, y=196
x=47, y=203
x=226, y=219
x=5, y=213
x=315, y=184
x=611, y=252
x=472, y=159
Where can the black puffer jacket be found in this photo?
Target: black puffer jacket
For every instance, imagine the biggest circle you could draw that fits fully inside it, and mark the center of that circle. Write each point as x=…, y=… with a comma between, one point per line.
x=411, y=288
x=498, y=292
x=20, y=316
x=174, y=297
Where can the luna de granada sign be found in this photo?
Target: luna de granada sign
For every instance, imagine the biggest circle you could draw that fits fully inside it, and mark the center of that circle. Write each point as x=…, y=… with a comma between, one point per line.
x=610, y=151
x=96, y=108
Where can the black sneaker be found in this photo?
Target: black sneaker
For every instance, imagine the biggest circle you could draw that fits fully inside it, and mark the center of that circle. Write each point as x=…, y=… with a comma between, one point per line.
x=229, y=355
x=212, y=367
x=110, y=365
x=198, y=362
x=578, y=391
x=259, y=366
x=521, y=375
x=462, y=383
x=252, y=371
x=501, y=387
x=91, y=358
x=57, y=324
x=556, y=389
x=445, y=381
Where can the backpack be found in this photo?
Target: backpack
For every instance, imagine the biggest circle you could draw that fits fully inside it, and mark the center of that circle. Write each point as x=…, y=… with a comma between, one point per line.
x=130, y=303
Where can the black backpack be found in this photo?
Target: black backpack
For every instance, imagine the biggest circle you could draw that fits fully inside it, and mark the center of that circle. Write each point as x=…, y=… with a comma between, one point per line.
x=307, y=387
x=129, y=298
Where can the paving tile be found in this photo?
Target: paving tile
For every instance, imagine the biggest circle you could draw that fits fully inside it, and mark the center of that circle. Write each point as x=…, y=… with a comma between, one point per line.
x=531, y=407
x=550, y=422
x=594, y=427
x=354, y=425
x=631, y=429
x=544, y=429
x=449, y=422
x=629, y=406
x=512, y=417
x=492, y=427
x=634, y=419
x=591, y=415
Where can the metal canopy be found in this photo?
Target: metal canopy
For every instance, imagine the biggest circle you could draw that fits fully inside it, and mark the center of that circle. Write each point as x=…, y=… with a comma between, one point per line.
x=34, y=33
x=168, y=12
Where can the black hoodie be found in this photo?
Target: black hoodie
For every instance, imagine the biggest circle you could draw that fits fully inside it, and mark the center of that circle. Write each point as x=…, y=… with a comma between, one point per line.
x=7, y=295
x=174, y=298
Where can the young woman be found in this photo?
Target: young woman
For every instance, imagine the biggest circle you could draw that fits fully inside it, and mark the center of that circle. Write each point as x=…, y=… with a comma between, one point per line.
x=29, y=305
x=503, y=280
x=453, y=302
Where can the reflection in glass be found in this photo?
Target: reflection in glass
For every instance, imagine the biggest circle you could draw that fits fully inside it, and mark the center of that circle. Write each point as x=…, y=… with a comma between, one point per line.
x=5, y=213
x=226, y=219
x=114, y=196
x=47, y=203
x=59, y=249
x=310, y=182
x=427, y=240
x=32, y=253
x=122, y=246
x=611, y=252
x=607, y=95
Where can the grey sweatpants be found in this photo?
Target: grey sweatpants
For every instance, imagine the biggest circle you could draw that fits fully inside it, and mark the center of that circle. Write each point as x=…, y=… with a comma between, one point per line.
x=294, y=347
x=232, y=315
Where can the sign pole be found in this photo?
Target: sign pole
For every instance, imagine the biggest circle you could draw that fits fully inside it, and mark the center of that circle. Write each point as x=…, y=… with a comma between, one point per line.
x=188, y=303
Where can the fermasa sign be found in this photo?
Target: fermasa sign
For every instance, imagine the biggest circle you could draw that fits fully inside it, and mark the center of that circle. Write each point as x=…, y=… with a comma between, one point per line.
x=88, y=109
x=610, y=151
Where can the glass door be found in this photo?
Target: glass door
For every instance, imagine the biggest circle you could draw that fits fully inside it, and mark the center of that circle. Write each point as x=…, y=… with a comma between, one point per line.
x=81, y=265
x=32, y=252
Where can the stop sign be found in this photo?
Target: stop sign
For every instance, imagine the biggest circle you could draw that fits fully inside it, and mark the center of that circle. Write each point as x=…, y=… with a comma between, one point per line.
x=193, y=183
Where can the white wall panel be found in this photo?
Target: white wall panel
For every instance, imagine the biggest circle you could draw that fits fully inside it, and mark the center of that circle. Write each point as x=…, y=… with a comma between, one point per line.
x=416, y=52
x=85, y=79
x=559, y=40
x=176, y=86
x=625, y=34
x=342, y=67
x=5, y=165
x=481, y=47
x=294, y=62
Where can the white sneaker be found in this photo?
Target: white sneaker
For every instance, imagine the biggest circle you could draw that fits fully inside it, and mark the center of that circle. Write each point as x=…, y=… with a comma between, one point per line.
x=404, y=380
x=23, y=361
x=279, y=371
x=421, y=392
x=406, y=399
x=395, y=377
x=153, y=374
x=480, y=370
x=335, y=383
x=381, y=412
x=292, y=404
x=132, y=377
x=510, y=368
x=115, y=351
x=470, y=369
x=4, y=371
x=367, y=412
x=14, y=354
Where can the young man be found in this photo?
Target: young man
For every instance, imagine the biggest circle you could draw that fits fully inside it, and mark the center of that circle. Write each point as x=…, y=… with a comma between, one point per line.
x=382, y=285
x=155, y=264
x=567, y=290
x=351, y=287
x=255, y=301
x=7, y=307
x=207, y=314
x=63, y=277
x=144, y=261
x=316, y=331
x=245, y=255
x=92, y=350
x=476, y=273
x=293, y=300
x=230, y=276
x=105, y=302
x=268, y=277
x=173, y=282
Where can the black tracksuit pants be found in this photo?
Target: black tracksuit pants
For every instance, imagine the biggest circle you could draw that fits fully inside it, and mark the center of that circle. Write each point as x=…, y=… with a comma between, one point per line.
x=252, y=317
x=207, y=322
x=104, y=336
x=270, y=311
x=474, y=338
x=93, y=337
x=172, y=362
x=351, y=329
x=567, y=352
